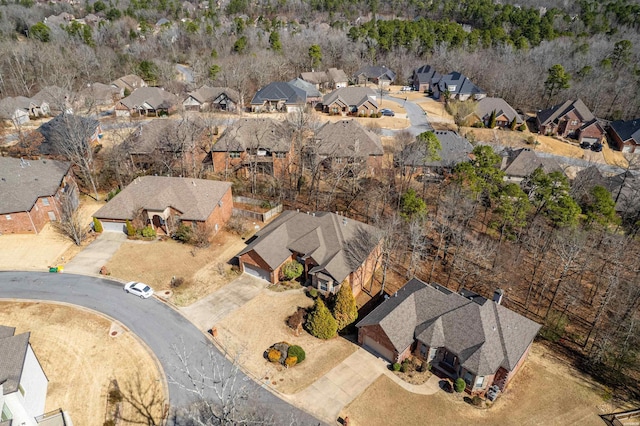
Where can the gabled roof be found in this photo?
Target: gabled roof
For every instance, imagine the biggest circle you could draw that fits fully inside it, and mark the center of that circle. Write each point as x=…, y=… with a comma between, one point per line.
x=627, y=130
x=484, y=334
x=155, y=97
x=426, y=74
x=57, y=98
x=337, y=75
x=376, y=71
x=210, y=94
x=308, y=88
x=13, y=352
x=463, y=86
x=195, y=199
x=253, y=133
x=100, y=91
x=280, y=91
x=164, y=134
x=553, y=114
x=66, y=124
x=486, y=106
x=9, y=106
x=23, y=182
x=351, y=96
x=315, y=77
x=523, y=162
x=455, y=149
x=130, y=82
x=323, y=236
x=347, y=138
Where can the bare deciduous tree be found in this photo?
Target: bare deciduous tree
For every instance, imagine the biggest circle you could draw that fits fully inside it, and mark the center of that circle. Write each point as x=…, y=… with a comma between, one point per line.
x=70, y=224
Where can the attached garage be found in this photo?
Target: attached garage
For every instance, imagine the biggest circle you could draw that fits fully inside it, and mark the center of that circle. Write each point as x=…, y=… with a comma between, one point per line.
x=590, y=140
x=375, y=347
x=109, y=226
x=256, y=272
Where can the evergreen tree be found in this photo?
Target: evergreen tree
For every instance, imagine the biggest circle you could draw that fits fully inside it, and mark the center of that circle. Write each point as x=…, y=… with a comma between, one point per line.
x=274, y=41
x=557, y=79
x=320, y=322
x=513, y=124
x=345, y=310
x=492, y=120
x=315, y=54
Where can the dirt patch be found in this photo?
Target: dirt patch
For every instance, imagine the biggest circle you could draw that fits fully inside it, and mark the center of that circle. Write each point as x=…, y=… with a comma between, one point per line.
x=80, y=357
x=253, y=328
x=546, y=391
x=203, y=270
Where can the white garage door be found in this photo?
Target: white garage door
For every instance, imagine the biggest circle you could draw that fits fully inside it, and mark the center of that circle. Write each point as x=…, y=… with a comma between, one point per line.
x=377, y=348
x=256, y=272
x=590, y=140
x=112, y=226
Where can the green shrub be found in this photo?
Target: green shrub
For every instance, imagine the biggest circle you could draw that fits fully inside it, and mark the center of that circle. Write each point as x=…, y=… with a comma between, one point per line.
x=320, y=322
x=396, y=366
x=345, y=310
x=131, y=231
x=292, y=270
x=297, y=352
x=97, y=226
x=265, y=205
x=522, y=127
x=184, y=233
x=476, y=400
x=459, y=385
x=313, y=292
x=148, y=232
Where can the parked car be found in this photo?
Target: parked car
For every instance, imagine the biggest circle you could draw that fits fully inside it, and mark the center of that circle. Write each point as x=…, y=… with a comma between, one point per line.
x=585, y=145
x=138, y=289
x=596, y=147
x=407, y=88
x=387, y=112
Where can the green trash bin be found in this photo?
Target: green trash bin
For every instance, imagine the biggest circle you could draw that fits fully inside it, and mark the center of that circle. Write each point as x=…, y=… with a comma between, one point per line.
x=54, y=269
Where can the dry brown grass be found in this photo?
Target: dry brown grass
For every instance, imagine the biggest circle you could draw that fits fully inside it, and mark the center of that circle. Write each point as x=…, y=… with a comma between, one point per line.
x=545, y=392
x=80, y=358
x=203, y=269
x=257, y=325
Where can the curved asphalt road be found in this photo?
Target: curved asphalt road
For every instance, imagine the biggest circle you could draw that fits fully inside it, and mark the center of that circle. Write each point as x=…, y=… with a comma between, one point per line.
x=159, y=326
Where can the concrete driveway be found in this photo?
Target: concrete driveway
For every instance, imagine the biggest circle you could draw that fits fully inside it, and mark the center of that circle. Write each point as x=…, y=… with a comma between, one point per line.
x=415, y=114
x=97, y=254
x=209, y=310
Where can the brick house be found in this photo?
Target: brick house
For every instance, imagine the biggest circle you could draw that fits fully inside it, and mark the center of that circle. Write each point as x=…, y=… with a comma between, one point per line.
x=346, y=143
x=65, y=126
x=413, y=159
x=262, y=144
x=460, y=335
x=424, y=78
x=519, y=164
x=505, y=114
x=571, y=119
x=165, y=202
x=128, y=84
x=147, y=101
x=375, y=74
x=279, y=97
x=212, y=99
x=457, y=86
x=31, y=192
x=334, y=250
x=360, y=101
x=625, y=135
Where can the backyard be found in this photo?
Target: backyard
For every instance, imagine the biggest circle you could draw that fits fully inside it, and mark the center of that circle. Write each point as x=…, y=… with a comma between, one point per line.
x=80, y=358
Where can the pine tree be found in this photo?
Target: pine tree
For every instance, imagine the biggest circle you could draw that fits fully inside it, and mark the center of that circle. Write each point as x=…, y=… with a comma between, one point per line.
x=345, y=310
x=492, y=120
x=513, y=124
x=320, y=322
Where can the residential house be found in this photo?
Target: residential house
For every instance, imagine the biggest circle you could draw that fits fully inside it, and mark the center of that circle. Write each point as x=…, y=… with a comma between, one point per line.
x=333, y=249
x=337, y=78
x=14, y=112
x=571, y=119
x=625, y=191
x=212, y=99
x=148, y=101
x=625, y=135
x=586, y=179
x=457, y=86
x=166, y=202
x=31, y=192
x=313, y=95
x=460, y=335
x=58, y=99
x=279, y=97
x=98, y=94
x=23, y=383
x=319, y=79
x=128, y=84
x=360, y=101
x=504, y=113
x=424, y=78
x=414, y=158
x=253, y=144
x=346, y=144
x=379, y=75
x=519, y=164
x=65, y=126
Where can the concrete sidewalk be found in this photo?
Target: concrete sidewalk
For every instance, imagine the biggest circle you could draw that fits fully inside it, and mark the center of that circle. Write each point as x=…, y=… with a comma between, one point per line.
x=97, y=254
x=209, y=310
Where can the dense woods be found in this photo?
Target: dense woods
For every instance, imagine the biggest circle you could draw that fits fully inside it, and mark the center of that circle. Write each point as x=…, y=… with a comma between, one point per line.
x=562, y=255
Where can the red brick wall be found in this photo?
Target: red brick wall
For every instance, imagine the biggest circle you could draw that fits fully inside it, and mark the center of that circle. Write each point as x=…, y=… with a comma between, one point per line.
x=252, y=258
x=376, y=333
x=220, y=161
x=518, y=365
x=592, y=131
x=33, y=221
x=221, y=215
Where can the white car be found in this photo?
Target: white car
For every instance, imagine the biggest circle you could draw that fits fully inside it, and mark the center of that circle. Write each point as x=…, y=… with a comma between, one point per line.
x=139, y=289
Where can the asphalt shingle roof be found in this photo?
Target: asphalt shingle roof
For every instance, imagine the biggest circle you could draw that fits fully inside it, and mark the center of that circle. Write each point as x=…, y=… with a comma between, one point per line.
x=455, y=149
x=155, y=97
x=484, y=334
x=195, y=199
x=463, y=86
x=253, y=133
x=347, y=138
x=23, y=182
x=351, y=96
x=552, y=114
x=210, y=94
x=315, y=77
x=626, y=130
x=523, y=162
x=308, y=88
x=13, y=350
x=486, y=106
x=280, y=91
x=426, y=74
x=324, y=236
x=376, y=71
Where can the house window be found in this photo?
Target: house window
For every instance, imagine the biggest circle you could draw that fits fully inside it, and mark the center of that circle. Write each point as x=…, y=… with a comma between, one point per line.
x=52, y=216
x=423, y=350
x=7, y=216
x=45, y=201
x=281, y=155
x=574, y=122
x=479, y=381
x=261, y=153
x=21, y=389
x=468, y=377
x=323, y=285
x=452, y=88
x=234, y=154
x=6, y=413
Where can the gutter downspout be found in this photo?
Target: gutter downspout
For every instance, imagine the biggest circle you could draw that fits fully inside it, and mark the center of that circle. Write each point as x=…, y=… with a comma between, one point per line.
x=31, y=220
